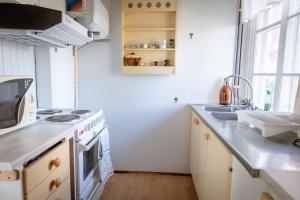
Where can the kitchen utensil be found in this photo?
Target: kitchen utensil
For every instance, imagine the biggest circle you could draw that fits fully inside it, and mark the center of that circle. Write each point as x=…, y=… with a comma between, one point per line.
x=167, y=63
x=172, y=43
x=163, y=44
x=225, y=97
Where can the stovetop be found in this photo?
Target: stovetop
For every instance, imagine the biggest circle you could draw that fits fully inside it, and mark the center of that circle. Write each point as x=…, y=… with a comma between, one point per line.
x=88, y=122
x=63, y=115
x=62, y=118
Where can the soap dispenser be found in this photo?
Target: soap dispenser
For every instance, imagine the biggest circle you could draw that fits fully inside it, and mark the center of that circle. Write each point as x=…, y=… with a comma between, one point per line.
x=225, y=97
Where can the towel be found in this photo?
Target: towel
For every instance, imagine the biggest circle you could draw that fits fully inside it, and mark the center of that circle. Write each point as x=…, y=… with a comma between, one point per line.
x=105, y=164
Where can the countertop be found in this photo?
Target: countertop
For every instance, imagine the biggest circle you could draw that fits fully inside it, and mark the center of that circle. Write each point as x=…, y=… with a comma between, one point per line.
x=274, y=158
x=20, y=146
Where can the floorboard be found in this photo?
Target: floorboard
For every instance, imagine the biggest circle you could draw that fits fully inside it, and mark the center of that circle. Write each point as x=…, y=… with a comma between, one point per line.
x=136, y=186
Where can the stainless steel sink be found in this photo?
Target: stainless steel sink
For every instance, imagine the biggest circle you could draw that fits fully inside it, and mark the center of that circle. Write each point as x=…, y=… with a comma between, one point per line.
x=224, y=115
x=219, y=108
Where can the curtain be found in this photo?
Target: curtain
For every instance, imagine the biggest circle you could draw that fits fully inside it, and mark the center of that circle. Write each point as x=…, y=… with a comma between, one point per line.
x=251, y=8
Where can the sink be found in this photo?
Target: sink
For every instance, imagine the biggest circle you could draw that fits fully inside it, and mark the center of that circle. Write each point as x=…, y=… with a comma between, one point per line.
x=224, y=115
x=219, y=109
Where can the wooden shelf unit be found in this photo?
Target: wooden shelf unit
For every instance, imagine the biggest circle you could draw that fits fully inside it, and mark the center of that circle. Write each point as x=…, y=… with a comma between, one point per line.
x=167, y=49
x=145, y=24
x=148, y=29
x=148, y=70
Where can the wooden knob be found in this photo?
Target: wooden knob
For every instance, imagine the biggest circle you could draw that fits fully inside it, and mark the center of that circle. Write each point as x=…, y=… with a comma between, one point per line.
x=55, y=163
x=59, y=198
x=207, y=136
x=196, y=121
x=55, y=183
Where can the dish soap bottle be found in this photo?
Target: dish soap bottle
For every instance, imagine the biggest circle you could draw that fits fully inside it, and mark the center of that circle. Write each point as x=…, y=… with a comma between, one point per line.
x=225, y=97
x=268, y=101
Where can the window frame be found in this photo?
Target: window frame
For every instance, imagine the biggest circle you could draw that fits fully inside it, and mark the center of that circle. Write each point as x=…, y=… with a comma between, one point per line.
x=249, y=61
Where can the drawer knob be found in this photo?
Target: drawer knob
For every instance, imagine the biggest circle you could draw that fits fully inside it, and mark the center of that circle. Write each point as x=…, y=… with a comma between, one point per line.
x=55, y=183
x=196, y=121
x=55, y=163
x=59, y=198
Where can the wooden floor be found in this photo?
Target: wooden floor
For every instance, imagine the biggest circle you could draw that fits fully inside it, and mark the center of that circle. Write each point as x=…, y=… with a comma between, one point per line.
x=136, y=186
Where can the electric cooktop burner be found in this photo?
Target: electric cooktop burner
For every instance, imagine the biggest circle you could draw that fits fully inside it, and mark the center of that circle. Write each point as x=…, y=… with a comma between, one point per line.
x=80, y=112
x=62, y=118
x=49, y=112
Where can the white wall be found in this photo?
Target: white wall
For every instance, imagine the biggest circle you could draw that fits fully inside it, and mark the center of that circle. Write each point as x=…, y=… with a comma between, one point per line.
x=55, y=77
x=149, y=132
x=16, y=59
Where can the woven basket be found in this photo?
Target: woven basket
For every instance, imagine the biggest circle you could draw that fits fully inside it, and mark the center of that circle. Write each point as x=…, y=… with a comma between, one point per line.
x=131, y=61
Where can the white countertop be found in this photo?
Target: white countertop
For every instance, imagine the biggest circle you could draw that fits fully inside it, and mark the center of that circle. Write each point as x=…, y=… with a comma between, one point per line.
x=20, y=146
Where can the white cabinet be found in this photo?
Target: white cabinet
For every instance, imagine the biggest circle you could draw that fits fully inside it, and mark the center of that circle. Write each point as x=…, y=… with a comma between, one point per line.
x=198, y=152
x=245, y=187
x=210, y=163
x=53, y=4
x=218, y=170
x=32, y=2
x=56, y=77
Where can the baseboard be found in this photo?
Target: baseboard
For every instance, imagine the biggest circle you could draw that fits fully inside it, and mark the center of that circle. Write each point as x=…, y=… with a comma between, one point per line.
x=154, y=173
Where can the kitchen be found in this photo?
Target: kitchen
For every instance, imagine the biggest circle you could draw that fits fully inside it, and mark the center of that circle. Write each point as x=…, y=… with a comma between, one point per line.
x=168, y=137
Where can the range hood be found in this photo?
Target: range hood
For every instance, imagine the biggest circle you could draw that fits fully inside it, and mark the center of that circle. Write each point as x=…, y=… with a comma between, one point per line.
x=37, y=26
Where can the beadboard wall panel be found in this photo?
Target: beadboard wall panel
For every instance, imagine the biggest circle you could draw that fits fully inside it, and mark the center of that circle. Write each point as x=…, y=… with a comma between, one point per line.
x=16, y=59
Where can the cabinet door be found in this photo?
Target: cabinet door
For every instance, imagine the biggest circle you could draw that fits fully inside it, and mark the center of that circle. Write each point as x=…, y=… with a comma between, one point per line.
x=32, y=2
x=195, y=150
x=53, y=4
x=218, y=170
x=266, y=196
x=198, y=150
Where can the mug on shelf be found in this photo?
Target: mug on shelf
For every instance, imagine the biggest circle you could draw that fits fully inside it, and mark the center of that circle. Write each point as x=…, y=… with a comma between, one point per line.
x=163, y=44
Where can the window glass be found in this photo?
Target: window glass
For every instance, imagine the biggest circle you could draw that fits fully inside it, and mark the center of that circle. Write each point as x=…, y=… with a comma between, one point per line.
x=294, y=7
x=288, y=91
x=292, y=49
x=261, y=86
x=266, y=53
x=270, y=16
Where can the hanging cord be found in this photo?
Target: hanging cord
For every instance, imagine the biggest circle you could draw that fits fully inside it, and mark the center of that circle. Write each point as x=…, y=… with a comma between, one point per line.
x=297, y=143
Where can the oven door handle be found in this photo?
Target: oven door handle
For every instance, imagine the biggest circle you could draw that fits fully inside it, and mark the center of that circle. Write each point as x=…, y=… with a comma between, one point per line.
x=87, y=146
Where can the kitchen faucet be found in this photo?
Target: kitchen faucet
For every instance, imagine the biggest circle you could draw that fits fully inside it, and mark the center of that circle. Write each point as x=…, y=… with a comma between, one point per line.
x=247, y=102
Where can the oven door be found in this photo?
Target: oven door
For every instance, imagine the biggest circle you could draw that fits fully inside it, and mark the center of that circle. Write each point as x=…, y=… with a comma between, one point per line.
x=88, y=167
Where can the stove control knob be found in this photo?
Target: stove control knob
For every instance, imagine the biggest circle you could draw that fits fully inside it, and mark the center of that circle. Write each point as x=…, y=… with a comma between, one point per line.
x=81, y=132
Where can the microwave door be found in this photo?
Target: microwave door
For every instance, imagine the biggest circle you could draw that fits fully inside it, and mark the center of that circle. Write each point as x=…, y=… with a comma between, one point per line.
x=12, y=101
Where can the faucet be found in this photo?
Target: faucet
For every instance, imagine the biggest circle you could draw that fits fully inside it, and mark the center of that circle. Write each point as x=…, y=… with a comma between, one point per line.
x=247, y=102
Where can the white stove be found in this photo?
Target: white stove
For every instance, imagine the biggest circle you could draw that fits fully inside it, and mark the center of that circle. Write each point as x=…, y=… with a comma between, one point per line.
x=91, y=148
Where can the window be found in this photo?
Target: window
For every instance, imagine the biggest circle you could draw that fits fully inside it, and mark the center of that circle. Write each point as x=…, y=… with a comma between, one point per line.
x=274, y=62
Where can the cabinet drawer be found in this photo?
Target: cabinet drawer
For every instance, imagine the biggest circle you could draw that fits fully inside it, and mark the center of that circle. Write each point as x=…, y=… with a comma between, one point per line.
x=50, y=185
x=42, y=168
x=63, y=192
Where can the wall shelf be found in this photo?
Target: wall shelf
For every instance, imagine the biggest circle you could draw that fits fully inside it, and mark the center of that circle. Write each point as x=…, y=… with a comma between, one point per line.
x=149, y=22
x=168, y=49
x=148, y=70
x=149, y=29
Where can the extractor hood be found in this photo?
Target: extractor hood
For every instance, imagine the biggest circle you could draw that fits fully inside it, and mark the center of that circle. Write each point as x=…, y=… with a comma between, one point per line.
x=37, y=26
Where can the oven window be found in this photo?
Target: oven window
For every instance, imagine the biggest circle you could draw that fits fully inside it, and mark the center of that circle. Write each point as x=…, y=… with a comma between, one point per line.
x=90, y=160
x=12, y=93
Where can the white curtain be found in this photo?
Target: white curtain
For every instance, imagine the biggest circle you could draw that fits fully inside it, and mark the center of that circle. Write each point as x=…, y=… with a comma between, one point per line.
x=250, y=8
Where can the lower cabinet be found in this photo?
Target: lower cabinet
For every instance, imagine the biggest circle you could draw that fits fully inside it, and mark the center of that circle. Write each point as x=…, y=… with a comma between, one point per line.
x=245, y=187
x=210, y=163
x=48, y=177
